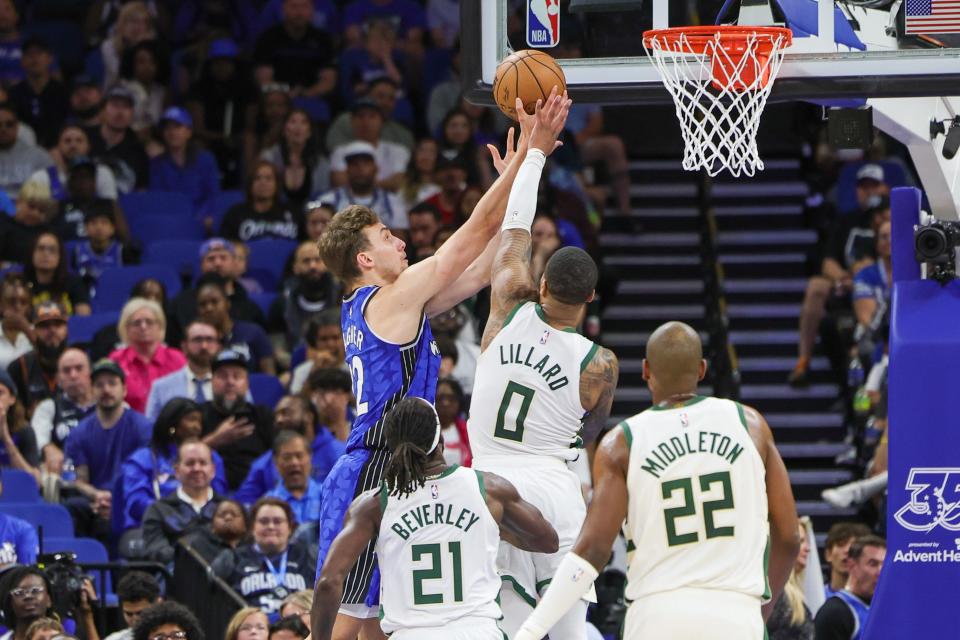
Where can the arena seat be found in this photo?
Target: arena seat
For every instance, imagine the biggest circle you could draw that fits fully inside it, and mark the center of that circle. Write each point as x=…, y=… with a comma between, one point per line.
x=18, y=486
x=264, y=300
x=316, y=108
x=269, y=255
x=87, y=550
x=54, y=518
x=266, y=389
x=113, y=289
x=219, y=205
x=137, y=204
x=81, y=329
x=182, y=255
x=153, y=228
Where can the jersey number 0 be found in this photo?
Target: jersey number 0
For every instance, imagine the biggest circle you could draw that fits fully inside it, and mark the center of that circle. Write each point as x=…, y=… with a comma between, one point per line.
x=510, y=423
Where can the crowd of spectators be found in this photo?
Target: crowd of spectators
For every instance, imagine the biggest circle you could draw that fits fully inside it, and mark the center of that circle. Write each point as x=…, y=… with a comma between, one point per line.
x=208, y=407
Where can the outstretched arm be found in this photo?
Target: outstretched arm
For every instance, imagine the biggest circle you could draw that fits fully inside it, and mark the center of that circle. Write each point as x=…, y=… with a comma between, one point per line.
x=521, y=523
x=781, y=508
x=477, y=275
x=401, y=303
x=361, y=525
x=598, y=382
x=590, y=554
x=510, y=276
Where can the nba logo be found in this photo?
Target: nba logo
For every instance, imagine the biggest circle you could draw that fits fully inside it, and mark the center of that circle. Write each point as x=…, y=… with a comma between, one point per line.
x=684, y=420
x=544, y=337
x=434, y=491
x=543, y=23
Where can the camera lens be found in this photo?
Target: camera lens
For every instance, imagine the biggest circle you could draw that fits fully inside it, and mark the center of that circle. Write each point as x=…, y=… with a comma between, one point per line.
x=931, y=243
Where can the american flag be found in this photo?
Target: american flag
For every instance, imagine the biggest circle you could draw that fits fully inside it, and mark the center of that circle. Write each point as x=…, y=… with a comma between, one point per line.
x=933, y=16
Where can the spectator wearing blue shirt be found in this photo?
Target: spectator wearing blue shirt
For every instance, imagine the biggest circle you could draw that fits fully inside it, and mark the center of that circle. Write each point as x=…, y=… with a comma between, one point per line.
x=296, y=487
x=213, y=307
x=99, y=445
x=297, y=415
x=18, y=540
x=183, y=166
x=101, y=250
x=11, y=44
x=148, y=474
x=377, y=58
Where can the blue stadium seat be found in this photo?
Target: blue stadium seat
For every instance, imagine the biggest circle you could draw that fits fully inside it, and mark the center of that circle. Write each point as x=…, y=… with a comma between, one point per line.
x=113, y=289
x=269, y=255
x=182, y=255
x=137, y=204
x=54, y=518
x=81, y=329
x=64, y=38
x=218, y=207
x=266, y=389
x=264, y=300
x=18, y=486
x=316, y=108
x=266, y=278
x=87, y=550
x=154, y=228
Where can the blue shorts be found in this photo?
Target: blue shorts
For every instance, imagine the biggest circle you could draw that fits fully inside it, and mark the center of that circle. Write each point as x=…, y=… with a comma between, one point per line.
x=354, y=473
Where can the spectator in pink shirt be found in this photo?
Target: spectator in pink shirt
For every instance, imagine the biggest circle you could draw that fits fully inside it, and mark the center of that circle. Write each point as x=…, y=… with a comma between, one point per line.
x=144, y=358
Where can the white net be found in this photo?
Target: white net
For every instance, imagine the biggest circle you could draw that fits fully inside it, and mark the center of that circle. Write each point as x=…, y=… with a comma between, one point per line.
x=719, y=88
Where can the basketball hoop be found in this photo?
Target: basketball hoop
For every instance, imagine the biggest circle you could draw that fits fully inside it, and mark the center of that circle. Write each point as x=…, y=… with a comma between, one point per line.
x=720, y=78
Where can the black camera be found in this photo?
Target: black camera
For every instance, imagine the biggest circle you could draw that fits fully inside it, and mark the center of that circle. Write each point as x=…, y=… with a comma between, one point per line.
x=66, y=581
x=935, y=245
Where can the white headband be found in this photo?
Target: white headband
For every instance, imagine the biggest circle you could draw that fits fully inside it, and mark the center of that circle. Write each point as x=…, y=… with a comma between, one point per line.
x=436, y=437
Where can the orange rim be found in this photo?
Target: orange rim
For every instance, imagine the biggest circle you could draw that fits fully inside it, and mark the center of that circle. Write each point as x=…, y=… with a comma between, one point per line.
x=732, y=37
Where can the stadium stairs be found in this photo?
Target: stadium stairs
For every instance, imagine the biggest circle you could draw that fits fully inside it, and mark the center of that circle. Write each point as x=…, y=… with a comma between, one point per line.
x=749, y=236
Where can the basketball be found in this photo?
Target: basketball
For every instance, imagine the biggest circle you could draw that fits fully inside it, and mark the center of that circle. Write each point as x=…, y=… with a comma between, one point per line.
x=529, y=74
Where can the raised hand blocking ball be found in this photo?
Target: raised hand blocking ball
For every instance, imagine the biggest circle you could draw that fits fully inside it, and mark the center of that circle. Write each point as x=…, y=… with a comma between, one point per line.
x=530, y=75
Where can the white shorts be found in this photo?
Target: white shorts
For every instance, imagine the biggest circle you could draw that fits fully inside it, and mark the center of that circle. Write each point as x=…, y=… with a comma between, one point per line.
x=695, y=614
x=360, y=611
x=550, y=486
x=465, y=629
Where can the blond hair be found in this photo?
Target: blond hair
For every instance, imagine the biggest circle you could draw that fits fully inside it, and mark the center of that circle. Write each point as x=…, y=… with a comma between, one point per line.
x=344, y=239
x=43, y=624
x=793, y=589
x=233, y=628
x=302, y=599
x=134, y=305
x=129, y=10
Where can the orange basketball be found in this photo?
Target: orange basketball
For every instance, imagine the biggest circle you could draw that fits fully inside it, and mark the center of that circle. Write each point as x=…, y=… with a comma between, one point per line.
x=529, y=74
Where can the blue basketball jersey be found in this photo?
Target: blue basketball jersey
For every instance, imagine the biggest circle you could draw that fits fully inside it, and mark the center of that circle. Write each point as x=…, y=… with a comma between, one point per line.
x=859, y=609
x=383, y=372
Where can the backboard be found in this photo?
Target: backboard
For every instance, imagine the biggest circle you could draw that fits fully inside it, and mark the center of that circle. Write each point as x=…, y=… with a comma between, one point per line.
x=850, y=50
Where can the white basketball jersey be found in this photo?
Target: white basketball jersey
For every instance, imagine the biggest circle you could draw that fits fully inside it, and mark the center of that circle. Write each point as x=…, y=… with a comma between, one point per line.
x=526, y=396
x=437, y=551
x=697, y=505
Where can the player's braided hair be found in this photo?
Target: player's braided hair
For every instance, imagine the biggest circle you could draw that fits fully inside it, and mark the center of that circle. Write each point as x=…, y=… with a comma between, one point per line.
x=410, y=429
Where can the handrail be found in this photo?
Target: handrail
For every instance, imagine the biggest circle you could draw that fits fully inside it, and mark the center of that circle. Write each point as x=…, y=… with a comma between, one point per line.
x=218, y=582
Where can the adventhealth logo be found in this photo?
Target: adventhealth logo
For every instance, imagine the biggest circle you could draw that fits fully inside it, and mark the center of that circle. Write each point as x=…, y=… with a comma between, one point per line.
x=935, y=501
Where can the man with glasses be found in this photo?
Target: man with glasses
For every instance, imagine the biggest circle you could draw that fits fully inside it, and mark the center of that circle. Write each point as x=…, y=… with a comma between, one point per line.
x=200, y=344
x=18, y=159
x=136, y=591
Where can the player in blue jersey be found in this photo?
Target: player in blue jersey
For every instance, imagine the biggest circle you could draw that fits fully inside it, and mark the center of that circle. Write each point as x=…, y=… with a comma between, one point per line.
x=389, y=346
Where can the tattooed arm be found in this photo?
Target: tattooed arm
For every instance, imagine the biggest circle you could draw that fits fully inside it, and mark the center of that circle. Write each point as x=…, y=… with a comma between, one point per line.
x=598, y=382
x=510, y=280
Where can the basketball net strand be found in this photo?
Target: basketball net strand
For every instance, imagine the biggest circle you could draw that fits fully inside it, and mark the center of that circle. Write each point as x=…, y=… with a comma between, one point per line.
x=718, y=118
